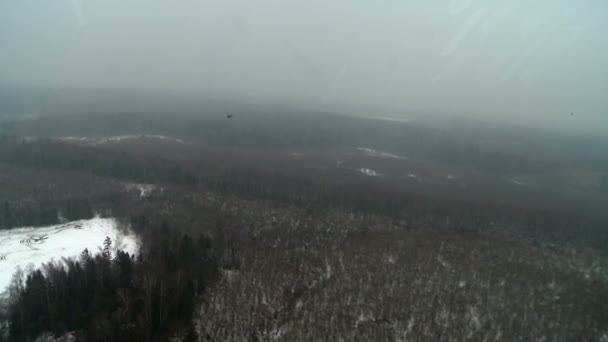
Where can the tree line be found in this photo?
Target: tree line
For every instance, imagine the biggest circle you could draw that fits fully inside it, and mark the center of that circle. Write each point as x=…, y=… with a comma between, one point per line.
x=46, y=154
x=311, y=188
x=29, y=213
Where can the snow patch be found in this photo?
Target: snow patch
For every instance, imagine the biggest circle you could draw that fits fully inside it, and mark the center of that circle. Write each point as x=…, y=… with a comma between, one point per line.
x=379, y=154
x=22, y=247
x=363, y=318
x=143, y=189
x=49, y=337
x=76, y=139
x=368, y=172
x=517, y=182
x=138, y=136
x=118, y=138
x=384, y=118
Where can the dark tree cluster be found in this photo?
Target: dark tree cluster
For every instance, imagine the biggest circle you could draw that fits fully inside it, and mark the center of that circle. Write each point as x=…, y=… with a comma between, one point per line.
x=26, y=213
x=52, y=155
x=115, y=296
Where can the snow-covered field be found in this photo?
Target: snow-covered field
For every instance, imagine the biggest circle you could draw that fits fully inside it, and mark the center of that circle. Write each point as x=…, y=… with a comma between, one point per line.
x=22, y=247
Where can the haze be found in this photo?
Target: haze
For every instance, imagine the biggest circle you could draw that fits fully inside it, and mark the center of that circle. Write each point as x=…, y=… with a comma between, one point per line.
x=538, y=64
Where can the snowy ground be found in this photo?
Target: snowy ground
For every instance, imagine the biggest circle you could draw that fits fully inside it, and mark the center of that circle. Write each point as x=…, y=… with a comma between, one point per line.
x=100, y=141
x=379, y=154
x=144, y=189
x=22, y=247
x=368, y=172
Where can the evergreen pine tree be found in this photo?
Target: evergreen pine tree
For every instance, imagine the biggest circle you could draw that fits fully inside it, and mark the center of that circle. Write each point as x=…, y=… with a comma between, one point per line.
x=107, y=248
x=84, y=257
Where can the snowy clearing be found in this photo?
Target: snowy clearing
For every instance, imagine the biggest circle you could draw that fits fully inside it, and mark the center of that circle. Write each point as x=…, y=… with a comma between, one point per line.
x=22, y=247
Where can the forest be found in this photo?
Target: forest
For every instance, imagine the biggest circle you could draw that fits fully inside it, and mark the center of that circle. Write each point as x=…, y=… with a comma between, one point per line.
x=114, y=296
x=296, y=244
x=303, y=171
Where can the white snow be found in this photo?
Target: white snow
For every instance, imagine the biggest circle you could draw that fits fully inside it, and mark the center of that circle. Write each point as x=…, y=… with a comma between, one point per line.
x=49, y=337
x=368, y=172
x=396, y=118
x=22, y=247
x=379, y=154
x=391, y=118
x=118, y=138
x=139, y=136
x=363, y=318
x=76, y=139
x=517, y=182
x=143, y=189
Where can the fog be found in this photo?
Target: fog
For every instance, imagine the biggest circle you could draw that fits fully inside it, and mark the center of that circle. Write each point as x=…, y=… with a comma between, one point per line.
x=540, y=63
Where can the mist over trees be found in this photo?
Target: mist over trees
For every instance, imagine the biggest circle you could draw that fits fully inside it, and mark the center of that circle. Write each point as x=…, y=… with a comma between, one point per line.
x=242, y=241
x=303, y=171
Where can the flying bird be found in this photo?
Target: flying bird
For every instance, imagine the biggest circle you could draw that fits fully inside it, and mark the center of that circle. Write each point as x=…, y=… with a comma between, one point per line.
x=228, y=116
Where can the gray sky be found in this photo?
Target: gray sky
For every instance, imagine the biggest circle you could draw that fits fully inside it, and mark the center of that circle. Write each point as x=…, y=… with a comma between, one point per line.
x=524, y=61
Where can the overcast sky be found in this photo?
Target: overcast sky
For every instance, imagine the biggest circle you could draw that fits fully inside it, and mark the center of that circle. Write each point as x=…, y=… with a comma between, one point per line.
x=534, y=62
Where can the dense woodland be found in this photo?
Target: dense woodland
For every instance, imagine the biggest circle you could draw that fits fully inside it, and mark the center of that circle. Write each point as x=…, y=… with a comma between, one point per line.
x=277, y=181
x=245, y=244
x=37, y=213
x=114, y=296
